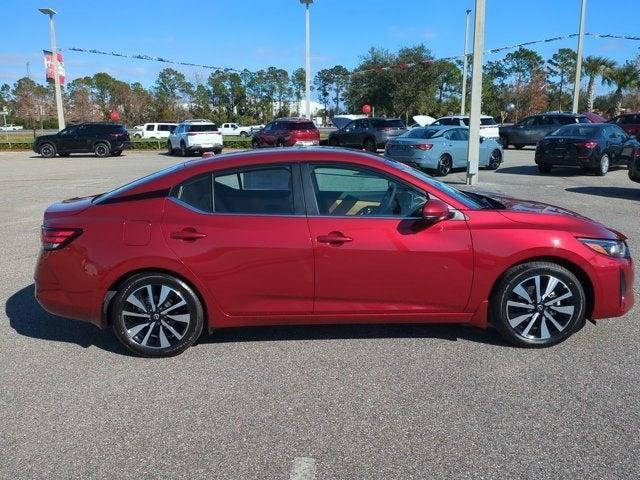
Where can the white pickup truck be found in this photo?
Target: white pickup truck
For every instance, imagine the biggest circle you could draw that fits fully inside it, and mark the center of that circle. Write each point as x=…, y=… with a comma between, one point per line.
x=234, y=129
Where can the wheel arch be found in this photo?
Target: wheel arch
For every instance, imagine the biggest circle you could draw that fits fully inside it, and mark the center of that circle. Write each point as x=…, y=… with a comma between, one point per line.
x=110, y=294
x=574, y=268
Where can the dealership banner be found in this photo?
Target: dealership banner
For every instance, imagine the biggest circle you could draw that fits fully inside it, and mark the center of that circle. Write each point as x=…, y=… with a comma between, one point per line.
x=48, y=65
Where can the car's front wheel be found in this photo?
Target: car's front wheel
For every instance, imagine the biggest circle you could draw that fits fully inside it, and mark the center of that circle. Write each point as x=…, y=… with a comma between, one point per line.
x=156, y=315
x=445, y=164
x=495, y=160
x=255, y=143
x=101, y=150
x=48, y=150
x=537, y=304
x=603, y=166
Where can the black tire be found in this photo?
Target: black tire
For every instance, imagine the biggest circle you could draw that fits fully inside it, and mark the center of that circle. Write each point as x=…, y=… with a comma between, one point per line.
x=145, y=332
x=183, y=149
x=101, y=150
x=369, y=145
x=603, y=166
x=48, y=150
x=217, y=151
x=445, y=164
x=64, y=154
x=254, y=143
x=504, y=141
x=170, y=150
x=244, y=134
x=544, y=168
x=518, y=146
x=495, y=160
x=533, y=322
x=334, y=142
x=116, y=153
x=279, y=143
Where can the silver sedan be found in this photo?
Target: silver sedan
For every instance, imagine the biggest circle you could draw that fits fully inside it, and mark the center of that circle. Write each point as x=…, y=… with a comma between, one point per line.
x=441, y=149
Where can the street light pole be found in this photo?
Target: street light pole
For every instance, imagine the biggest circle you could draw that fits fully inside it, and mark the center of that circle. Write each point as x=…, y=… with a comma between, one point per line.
x=308, y=58
x=463, y=102
x=473, y=155
x=54, y=57
x=576, y=83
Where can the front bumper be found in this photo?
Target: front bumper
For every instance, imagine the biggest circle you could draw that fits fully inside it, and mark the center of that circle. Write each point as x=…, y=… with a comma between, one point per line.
x=613, y=285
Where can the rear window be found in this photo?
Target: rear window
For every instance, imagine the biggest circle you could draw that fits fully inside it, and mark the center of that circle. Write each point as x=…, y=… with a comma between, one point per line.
x=205, y=127
x=136, y=183
x=483, y=121
x=300, y=126
x=393, y=123
x=583, y=131
x=422, y=133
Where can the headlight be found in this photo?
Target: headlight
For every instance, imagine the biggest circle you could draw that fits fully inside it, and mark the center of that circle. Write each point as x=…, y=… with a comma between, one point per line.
x=611, y=248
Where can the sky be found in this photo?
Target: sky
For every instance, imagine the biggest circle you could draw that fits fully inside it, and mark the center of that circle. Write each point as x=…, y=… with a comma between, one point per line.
x=256, y=34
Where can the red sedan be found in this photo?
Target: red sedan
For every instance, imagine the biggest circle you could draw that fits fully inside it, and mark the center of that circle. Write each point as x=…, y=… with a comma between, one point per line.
x=318, y=236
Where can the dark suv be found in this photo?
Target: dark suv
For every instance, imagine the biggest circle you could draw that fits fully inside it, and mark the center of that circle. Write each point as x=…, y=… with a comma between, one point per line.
x=103, y=139
x=287, y=132
x=367, y=133
x=530, y=130
x=629, y=122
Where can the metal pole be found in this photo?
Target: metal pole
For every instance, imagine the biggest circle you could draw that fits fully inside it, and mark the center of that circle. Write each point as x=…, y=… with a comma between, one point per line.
x=576, y=83
x=473, y=155
x=463, y=102
x=308, y=63
x=56, y=78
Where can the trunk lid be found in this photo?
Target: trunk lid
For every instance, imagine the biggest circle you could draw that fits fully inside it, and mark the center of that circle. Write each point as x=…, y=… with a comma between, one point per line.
x=67, y=208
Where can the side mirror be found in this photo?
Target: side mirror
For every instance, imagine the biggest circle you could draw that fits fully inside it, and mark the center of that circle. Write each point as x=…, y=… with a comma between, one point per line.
x=482, y=139
x=435, y=211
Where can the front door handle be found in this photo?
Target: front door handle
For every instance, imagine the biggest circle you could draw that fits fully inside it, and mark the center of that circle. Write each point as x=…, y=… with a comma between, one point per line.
x=335, y=238
x=187, y=234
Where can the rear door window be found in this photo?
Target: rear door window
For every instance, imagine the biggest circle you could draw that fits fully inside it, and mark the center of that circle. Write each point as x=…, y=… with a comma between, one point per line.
x=261, y=191
x=196, y=193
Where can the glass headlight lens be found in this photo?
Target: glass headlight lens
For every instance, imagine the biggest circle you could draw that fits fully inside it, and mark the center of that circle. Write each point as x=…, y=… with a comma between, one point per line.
x=611, y=248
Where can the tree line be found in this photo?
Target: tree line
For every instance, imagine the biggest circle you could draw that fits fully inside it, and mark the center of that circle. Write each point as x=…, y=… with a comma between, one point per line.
x=399, y=84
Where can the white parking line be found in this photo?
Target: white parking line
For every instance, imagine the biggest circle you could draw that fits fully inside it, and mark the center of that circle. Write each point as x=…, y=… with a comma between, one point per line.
x=304, y=468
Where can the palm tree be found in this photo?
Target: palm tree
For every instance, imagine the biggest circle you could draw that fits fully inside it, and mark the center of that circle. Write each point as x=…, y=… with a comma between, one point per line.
x=622, y=78
x=593, y=67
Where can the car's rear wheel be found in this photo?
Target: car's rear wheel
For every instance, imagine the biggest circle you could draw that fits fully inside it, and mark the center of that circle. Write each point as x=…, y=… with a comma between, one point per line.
x=156, y=315
x=603, y=166
x=244, y=134
x=538, y=304
x=544, y=168
x=217, y=151
x=48, y=150
x=254, y=143
x=169, y=148
x=504, y=141
x=444, y=165
x=369, y=145
x=495, y=160
x=101, y=150
x=280, y=143
x=183, y=149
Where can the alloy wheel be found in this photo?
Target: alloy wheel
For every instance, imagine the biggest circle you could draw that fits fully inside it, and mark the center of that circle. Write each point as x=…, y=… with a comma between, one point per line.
x=540, y=307
x=444, y=166
x=47, y=150
x=156, y=316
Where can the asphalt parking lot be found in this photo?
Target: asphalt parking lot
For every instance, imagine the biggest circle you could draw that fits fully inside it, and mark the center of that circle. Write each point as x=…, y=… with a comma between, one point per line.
x=350, y=402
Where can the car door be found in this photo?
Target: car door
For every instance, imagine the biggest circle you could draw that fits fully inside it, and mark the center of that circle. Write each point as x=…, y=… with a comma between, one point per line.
x=456, y=147
x=346, y=134
x=66, y=141
x=615, y=138
x=519, y=134
x=244, y=234
x=268, y=136
x=373, y=253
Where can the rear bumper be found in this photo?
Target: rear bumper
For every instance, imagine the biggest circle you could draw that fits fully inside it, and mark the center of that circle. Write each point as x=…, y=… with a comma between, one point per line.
x=570, y=160
x=207, y=148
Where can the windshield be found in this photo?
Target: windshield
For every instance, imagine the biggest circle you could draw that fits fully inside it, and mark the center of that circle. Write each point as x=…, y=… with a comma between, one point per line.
x=576, y=130
x=421, y=133
x=140, y=181
x=467, y=200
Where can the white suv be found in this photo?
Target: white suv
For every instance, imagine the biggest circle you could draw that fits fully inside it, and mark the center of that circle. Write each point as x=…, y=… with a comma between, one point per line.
x=195, y=136
x=488, y=125
x=156, y=130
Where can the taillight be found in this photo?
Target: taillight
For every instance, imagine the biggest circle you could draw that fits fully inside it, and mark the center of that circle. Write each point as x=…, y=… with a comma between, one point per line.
x=55, y=238
x=589, y=145
x=423, y=146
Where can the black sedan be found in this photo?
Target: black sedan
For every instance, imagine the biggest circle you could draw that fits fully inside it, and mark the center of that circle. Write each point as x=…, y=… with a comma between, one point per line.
x=596, y=147
x=634, y=168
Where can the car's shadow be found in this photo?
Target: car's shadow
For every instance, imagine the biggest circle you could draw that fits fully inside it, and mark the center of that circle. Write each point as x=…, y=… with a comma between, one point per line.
x=27, y=318
x=555, y=172
x=609, y=192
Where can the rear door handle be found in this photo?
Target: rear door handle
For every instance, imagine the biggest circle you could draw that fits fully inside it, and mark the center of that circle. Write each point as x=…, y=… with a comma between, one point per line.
x=187, y=234
x=334, y=238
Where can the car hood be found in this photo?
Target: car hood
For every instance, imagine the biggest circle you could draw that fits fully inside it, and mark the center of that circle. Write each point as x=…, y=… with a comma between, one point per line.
x=550, y=217
x=40, y=138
